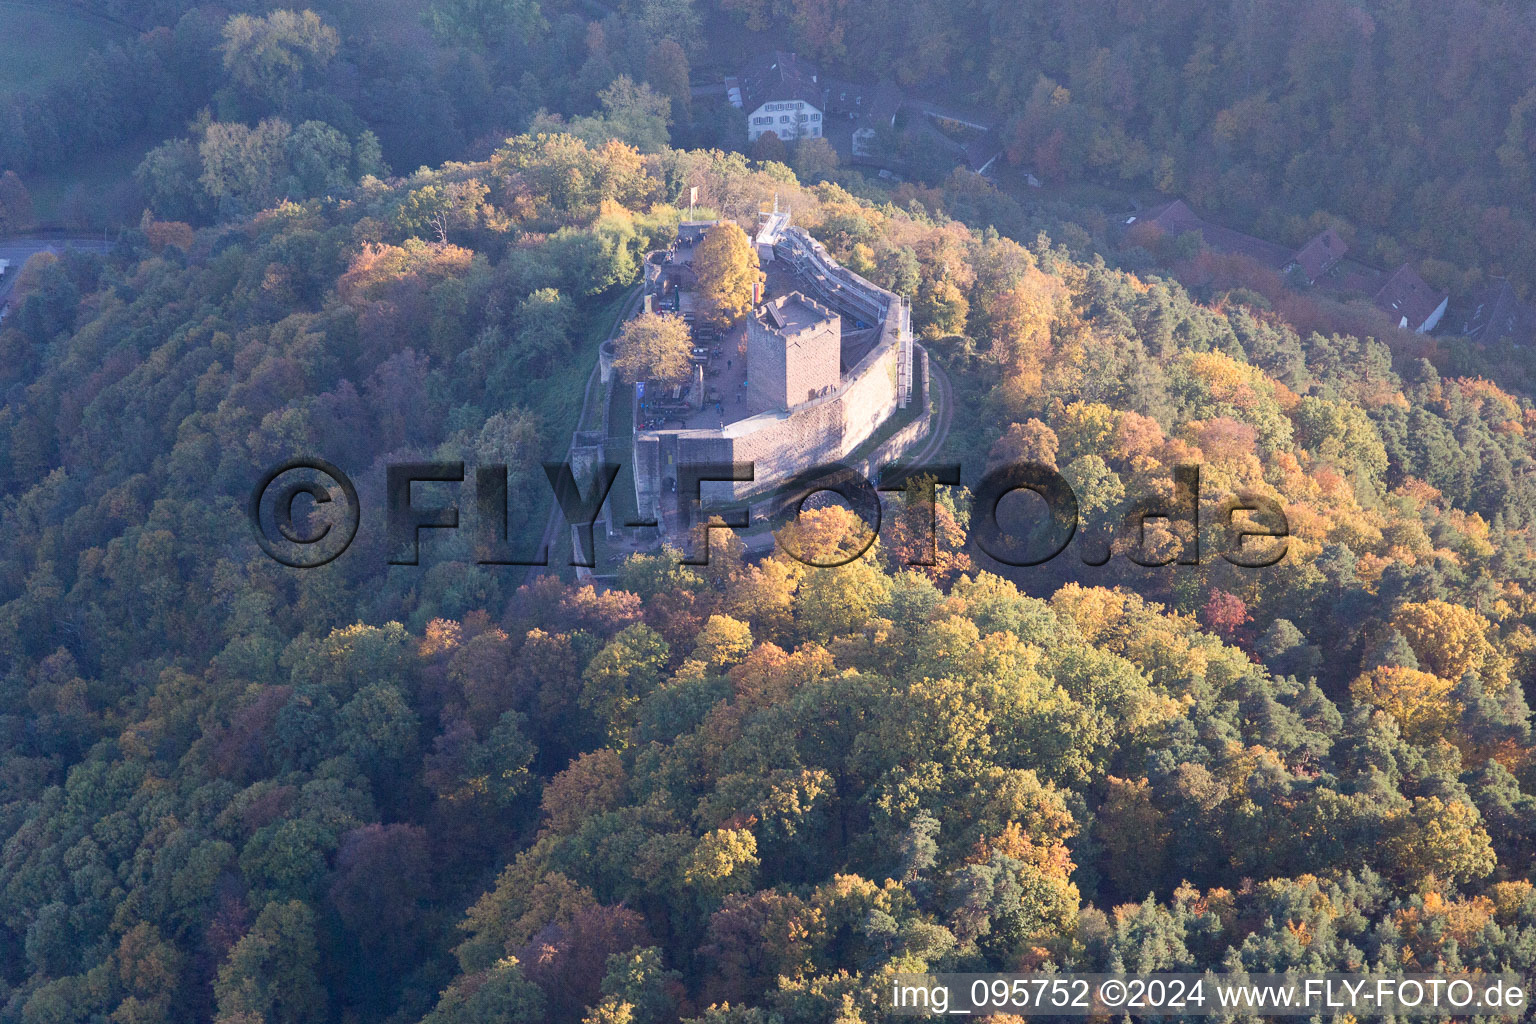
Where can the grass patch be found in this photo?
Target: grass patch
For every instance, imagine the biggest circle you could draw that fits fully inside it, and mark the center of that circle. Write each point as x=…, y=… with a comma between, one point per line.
x=557, y=396
x=887, y=430
x=41, y=43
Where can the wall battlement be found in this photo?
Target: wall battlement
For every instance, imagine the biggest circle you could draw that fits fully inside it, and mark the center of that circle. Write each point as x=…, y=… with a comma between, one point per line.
x=793, y=436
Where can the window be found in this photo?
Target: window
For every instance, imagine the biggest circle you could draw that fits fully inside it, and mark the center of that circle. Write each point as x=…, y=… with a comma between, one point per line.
x=815, y=117
x=783, y=119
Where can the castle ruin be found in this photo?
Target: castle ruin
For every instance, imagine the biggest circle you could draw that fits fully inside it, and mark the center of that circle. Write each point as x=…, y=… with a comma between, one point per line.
x=822, y=362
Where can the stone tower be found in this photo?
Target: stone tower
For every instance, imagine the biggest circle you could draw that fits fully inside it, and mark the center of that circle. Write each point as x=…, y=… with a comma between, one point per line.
x=794, y=350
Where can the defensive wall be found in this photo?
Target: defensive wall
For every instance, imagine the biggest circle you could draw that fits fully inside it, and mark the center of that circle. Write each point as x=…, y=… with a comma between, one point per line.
x=817, y=432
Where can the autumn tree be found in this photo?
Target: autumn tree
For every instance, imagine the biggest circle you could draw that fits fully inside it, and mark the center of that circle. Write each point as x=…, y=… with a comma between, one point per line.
x=815, y=159
x=436, y=208
x=270, y=55
x=1418, y=700
x=727, y=267
x=1448, y=639
x=666, y=69
x=768, y=146
x=245, y=169
x=655, y=346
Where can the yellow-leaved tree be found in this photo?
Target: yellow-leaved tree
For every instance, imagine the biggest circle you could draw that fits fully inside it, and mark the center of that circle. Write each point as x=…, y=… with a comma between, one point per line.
x=1420, y=701
x=727, y=267
x=1450, y=640
x=654, y=346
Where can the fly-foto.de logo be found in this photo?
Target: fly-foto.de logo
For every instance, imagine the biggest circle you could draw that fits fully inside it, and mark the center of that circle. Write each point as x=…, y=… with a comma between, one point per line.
x=1253, y=527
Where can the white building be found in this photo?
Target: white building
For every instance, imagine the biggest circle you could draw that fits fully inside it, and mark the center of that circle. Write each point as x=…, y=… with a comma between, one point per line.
x=783, y=96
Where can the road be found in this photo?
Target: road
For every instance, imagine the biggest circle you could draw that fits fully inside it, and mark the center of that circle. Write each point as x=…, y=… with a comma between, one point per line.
x=19, y=250
x=944, y=402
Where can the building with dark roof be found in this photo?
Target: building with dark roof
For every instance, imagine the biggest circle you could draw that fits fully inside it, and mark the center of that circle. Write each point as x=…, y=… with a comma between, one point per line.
x=1496, y=313
x=870, y=111
x=1409, y=299
x=1320, y=255
x=793, y=350
x=1176, y=218
x=781, y=94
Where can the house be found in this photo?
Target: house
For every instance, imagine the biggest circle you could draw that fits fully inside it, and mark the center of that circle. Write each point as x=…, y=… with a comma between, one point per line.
x=1497, y=313
x=1319, y=256
x=1407, y=298
x=1175, y=218
x=972, y=133
x=981, y=154
x=783, y=94
x=872, y=110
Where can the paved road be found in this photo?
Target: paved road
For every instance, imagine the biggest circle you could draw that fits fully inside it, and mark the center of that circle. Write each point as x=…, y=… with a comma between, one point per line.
x=19, y=250
x=944, y=399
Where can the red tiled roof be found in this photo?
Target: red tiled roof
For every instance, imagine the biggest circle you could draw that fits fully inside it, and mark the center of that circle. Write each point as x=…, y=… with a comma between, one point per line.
x=1319, y=255
x=1176, y=218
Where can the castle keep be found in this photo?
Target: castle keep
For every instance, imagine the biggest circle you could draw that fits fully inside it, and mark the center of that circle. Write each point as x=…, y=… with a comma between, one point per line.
x=793, y=349
x=811, y=374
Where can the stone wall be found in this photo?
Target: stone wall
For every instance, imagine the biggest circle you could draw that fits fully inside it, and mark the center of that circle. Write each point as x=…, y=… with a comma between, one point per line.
x=793, y=357
x=821, y=431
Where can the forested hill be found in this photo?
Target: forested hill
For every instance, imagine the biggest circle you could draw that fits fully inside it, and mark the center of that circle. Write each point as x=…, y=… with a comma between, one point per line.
x=1408, y=127
x=1413, y=124
x=240, y=792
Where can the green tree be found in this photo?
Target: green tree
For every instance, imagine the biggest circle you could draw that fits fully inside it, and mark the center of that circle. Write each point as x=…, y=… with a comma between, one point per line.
x=16, y=213
x=485, y=23
x=170, y=176
x=620, y=675
x=541, y=326
x=368, y=156
x=270, y=973
x=632, y=112
x=319, y=159
x=270, y=55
